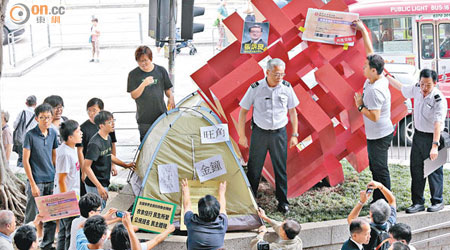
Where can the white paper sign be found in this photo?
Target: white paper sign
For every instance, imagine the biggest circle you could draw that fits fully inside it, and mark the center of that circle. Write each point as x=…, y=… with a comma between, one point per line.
x=214, y=134
x=168, y=178
x=430, y=166
x=210, y=168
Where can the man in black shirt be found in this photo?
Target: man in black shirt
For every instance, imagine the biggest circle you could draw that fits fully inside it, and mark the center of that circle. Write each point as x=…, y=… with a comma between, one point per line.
x=147, y=83
x=97, y=163
x=89, y=129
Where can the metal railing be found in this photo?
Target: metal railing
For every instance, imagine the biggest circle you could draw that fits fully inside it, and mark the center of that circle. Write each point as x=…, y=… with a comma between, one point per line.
x=401, y=144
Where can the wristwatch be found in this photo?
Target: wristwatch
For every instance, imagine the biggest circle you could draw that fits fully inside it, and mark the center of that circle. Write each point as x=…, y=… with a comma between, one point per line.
x=294, y=134
x=361, y=107
x=436, y=143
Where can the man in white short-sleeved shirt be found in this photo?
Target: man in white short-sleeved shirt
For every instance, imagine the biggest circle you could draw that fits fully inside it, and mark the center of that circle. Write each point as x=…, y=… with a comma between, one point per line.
x=272, y=99
x=430, y=110
x=375, y=106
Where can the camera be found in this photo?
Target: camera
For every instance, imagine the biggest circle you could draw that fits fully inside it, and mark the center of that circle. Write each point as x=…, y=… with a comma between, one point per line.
x=263, y=245
x=120, y=214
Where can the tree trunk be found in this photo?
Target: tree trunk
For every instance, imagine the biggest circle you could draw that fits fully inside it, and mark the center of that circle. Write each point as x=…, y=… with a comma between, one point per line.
x=12, y=189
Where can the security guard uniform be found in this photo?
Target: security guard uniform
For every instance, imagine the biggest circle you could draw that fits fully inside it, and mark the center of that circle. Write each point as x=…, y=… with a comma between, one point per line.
x=270, y=108
x=427, y=110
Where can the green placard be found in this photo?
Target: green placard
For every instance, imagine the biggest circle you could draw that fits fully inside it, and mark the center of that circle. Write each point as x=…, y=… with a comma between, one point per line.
x=152, y=215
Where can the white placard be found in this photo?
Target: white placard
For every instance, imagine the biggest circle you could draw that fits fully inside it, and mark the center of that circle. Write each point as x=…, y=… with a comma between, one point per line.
x=214, y=134
x=210, y=168
x=168, y=178
x=430, y=166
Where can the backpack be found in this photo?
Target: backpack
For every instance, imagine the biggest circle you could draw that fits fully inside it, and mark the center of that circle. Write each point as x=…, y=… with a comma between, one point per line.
x=379, y=239
x=19, y=132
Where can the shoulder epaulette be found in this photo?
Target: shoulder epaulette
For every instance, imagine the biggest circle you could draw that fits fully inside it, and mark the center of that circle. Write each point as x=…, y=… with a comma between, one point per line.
x=418, y=85
x=287, y=84
x=255, y=84
x=437, y=98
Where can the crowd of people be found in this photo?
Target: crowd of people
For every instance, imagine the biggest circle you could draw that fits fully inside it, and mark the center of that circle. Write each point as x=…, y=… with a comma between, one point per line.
x=59, y=155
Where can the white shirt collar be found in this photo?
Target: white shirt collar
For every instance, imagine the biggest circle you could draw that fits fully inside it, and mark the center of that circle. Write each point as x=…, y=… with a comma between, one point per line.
x=360, y=246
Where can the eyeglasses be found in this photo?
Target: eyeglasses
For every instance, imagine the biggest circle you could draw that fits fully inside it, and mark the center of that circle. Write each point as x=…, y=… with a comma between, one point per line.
x=59, y=107
x=278, y=74
x=45, y=118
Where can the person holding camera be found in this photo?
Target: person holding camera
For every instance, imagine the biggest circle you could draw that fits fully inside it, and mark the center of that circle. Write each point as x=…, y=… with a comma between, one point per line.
x=382, y=214
x=287, y=231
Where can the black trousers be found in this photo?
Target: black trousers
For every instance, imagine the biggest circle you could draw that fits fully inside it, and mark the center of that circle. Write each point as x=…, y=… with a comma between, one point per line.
x=276, y=143
x=143, y=128
x=378, y=163
x=420, y=151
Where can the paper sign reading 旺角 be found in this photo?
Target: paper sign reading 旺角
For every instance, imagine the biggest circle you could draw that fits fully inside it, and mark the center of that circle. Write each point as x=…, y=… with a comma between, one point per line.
x=152, y=215
x=168, y=178
x=210, y=168
x=326, y=26
x=214, y=134
x=58, y=206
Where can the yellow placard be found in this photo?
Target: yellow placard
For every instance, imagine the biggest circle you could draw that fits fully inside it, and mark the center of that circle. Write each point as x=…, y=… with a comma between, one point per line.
x=152, y=215
x=197, y=191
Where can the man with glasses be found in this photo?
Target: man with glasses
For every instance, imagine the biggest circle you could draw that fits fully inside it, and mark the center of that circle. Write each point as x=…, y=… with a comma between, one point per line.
x=147, y=85
x=57, y=104
x=272, y=99
x=97, y=162
x=430, y=110
x=39, y=156
x=256, y=44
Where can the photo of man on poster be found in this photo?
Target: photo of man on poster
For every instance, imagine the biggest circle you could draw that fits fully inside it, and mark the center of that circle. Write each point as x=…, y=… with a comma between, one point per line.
x=254, y=38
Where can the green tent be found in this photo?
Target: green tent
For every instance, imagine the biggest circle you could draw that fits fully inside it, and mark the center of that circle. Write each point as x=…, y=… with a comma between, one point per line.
x=174, y=138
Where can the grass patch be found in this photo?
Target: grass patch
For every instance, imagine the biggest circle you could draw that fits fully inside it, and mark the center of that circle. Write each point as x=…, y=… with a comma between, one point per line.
x=330, y=203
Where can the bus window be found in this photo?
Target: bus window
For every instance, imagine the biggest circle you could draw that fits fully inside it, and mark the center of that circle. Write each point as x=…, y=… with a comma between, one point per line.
x=444, y=40
x=391, y=34
x=427, y=35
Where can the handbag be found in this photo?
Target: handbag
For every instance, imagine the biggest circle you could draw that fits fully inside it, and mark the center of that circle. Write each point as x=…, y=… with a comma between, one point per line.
x=216, y=22
x=90, y=39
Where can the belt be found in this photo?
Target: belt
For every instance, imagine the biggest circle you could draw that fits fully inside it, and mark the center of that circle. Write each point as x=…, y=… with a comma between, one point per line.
x=270, y=131
x=422, y=133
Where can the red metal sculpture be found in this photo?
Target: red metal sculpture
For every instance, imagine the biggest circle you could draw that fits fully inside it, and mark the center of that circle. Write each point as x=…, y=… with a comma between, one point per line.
x=227, y=76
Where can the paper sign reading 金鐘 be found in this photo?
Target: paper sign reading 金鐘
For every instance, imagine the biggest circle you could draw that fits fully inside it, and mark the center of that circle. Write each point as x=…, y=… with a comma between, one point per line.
x=333, y=27
x=210, y=168
x=168, y=178
x=58, y=206
x=152, y=215
x=214, y=134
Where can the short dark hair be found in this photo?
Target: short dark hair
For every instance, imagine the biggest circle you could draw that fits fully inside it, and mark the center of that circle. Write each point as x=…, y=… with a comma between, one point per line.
x=357, y=224
x=255, y=26
x=67, y=128
x=143, y=50
x=54, y=101
x=376, y=62
x=120, y=240
x=401, y=231
x=427, y=73
x=95, y=19
x=43, y=108
x=89, y=202
x=291, y=228
x=24, y=237
x=95, y=101
x=208, y=208
x=102, y=117
x=94, y=228
x=400, y=246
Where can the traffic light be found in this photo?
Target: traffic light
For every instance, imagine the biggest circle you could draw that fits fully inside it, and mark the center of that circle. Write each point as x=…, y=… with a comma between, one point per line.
x=188, y=12
x=158, y=21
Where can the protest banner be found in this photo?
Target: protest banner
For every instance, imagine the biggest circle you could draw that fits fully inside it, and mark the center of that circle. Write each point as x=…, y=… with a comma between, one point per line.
x=333, y=27
x=58, y=206
x=197, y=191
x=152, y=215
